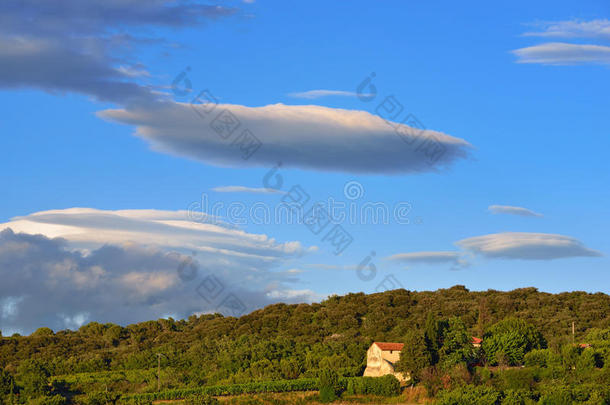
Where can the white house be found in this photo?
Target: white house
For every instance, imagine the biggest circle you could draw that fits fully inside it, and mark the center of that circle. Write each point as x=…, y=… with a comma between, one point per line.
x=380, y=360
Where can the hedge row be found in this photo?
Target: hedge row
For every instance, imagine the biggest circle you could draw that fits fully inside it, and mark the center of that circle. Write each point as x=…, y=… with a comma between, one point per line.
x=304, y=384
x=387, y=386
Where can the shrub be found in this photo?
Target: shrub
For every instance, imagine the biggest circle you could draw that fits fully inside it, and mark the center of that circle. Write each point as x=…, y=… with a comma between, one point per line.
x=470, y=395
x=201, y=400
x=329, y=385
x=537, y=358
x=48, y=400
x=386, y=386
x=517, y=397
x=556, y=396
x=101, y=398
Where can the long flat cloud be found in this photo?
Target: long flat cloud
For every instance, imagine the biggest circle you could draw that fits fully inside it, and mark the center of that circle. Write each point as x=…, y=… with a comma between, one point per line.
x=526, y=246
x=244, y=189
x=513, y=210
x=312, y=94
x=427, y=257
x=62, y=266
x=88, y=48
x=303, y=136
x=561, y=53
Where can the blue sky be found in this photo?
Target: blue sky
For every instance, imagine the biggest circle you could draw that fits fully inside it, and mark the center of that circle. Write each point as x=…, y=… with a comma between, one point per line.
x=519, y=92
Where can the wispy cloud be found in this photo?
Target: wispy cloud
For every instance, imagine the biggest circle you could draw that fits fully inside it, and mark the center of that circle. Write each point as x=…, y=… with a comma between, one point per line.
x=560, y=53
x=509, y=209
x=599, y=28
x=244, y=189
x=526, y=246
x=313, y=94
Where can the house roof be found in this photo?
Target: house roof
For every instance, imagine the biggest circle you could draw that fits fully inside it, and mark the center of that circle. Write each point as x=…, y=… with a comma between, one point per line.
x=389, y=346
x=476, y=340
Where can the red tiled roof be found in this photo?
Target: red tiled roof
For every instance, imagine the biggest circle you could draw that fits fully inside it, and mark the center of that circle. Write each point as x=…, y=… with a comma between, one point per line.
x=389, y=346
x=476, y=340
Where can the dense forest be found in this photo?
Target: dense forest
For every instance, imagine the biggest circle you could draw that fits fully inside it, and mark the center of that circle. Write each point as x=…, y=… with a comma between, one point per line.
x=523, y=327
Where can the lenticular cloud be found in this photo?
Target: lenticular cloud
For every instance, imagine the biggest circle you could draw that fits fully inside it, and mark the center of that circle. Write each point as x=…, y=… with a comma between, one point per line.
x=303, y=136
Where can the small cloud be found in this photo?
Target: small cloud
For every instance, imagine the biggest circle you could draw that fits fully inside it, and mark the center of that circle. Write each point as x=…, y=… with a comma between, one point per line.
x=599, y=28
x=298, y=295
x=243, y=189
x=313, y=94
x=526, y=246
x=509, y=209
x=434, y=257
x=560, y=53
x=323, y=266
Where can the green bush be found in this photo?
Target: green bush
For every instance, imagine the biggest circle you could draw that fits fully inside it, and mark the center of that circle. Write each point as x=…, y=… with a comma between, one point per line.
x=329, y=385
x=517, y=397
x=386, y=386
x=537, y=358
x=101, y=398
x=48, y=400
x=201, y=400
x=470, y=395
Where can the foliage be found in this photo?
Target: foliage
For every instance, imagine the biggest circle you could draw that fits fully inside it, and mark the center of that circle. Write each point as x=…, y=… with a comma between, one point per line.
x=509, y=340
x=414, y=356
x=457, y=345
x=48, y=400
x=470, y=395
x=387, y=386
x=286, y=347
x=7, y=383
x=201, y=400
x=33, y=378
x=329, y=385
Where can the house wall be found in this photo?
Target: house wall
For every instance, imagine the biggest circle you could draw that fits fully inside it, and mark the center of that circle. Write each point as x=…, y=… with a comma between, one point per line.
x=380, y=363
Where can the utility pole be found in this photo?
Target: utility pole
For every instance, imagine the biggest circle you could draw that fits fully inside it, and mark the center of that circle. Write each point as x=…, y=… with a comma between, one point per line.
x=159, y=370
x=572, y=332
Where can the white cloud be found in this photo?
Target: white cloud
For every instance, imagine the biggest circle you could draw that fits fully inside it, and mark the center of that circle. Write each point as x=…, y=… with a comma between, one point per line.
x=427, y=257
x=509, y=209
x=313, y=94
x=456, y=259
x=63, y=266
x=599, y=28
x=526, y=246
x=243, y=189
x=301, y=136
x=300, y=295
x=560, y=53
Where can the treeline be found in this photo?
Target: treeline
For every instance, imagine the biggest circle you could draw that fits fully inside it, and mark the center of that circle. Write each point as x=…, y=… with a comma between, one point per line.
x=286, y=342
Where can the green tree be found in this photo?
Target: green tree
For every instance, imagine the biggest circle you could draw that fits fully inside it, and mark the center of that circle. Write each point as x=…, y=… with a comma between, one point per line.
x=414, y=356
x=34, y=378
x=457, y=345
x=511, y=339
x=41, y=332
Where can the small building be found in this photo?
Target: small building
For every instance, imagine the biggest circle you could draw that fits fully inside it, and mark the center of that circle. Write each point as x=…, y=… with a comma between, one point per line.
x=381, y=357
x=476, y=342
x=380, y=360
